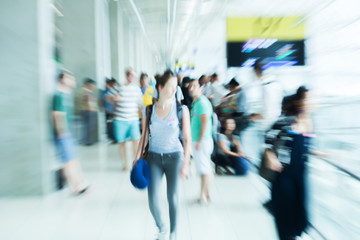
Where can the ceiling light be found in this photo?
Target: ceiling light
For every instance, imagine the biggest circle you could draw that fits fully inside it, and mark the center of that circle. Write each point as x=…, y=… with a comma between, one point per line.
x=56, y=10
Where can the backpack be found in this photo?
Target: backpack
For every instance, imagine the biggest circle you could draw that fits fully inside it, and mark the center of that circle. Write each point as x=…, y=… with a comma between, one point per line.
x=215, y=124
x=215, y=134
x=179, y=114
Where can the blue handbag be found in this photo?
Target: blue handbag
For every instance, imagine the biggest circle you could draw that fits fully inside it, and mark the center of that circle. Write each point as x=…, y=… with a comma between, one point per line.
x=140, y=174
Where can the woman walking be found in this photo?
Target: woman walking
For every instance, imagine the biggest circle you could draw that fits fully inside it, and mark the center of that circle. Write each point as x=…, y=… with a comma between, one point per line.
x=169, y=142
x=288, y=148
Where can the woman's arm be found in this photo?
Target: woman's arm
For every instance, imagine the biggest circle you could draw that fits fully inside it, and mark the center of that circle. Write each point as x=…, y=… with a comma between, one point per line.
x=320, y=154
x=113, y=96
x=272, y=161
x=224, y=150
x=144, y=138
x=272, y=143
x=238, y=148
x=186, y=132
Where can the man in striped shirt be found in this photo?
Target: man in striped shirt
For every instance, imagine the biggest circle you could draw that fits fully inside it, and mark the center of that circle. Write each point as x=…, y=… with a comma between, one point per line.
x=128, y=104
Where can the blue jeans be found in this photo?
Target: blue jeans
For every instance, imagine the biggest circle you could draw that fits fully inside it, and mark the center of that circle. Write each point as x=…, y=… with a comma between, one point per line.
x=89, y=120
x=239, y=164
x=170, y=164
x=65, y=148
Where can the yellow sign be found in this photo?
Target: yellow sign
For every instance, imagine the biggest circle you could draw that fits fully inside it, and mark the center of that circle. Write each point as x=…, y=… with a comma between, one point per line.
x=184, y=65
x=281, y=28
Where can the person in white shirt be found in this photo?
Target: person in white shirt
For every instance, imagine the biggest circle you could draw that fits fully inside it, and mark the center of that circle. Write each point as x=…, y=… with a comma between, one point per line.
x=207, y=85
x=270, y=108
x=129, y=103
x=217, y=91
x=272, y=95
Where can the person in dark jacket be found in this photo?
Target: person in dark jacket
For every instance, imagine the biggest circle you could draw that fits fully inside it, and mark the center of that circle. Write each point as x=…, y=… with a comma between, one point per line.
x=288, y=146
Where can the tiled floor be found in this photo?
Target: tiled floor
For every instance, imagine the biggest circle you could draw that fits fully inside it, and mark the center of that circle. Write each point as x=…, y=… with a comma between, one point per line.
x=113, y=209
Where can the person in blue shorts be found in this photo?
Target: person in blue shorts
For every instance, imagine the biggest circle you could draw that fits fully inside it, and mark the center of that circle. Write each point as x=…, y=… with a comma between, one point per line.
x=62, y=114
x=128, y=104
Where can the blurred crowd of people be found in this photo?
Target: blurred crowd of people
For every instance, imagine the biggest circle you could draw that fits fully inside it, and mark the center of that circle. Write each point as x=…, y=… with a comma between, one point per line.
x=208, y=126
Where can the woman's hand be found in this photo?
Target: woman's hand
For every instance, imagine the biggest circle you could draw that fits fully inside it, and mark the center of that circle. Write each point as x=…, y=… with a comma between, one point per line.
x=62, y=135
x=276, y=166
x=184, y=171
x=255, y=116
x=135, y=162
x=321, y=154
x=241, y=155
x=117, y=98
x=197, y=146
x=272, y=162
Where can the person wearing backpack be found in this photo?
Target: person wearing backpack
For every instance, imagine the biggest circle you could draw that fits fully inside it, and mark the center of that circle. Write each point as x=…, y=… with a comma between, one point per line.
x=167, y=153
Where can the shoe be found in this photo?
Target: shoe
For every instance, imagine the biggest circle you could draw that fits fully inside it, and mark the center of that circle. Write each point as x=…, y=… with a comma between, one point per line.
x=172, y=236
x=84, y=190
x=228, y=171
x=218, y=171
x=161, y=236
x=200, y=202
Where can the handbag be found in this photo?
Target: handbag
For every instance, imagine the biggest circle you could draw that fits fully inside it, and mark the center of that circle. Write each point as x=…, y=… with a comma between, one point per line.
x=265, y=170
x=140, y=173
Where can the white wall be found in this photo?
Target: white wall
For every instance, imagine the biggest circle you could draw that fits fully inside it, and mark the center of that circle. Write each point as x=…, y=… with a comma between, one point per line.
x=27, y=69
x=102, y=44
x=334, y=49
x=79, y=38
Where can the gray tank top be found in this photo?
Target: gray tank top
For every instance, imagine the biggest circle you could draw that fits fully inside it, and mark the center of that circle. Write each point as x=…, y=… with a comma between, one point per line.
x=164, y=134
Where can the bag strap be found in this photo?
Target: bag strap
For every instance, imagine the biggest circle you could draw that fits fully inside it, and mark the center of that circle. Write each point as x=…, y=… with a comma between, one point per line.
x=150, y=113
x=144, y=149
x=179, y=113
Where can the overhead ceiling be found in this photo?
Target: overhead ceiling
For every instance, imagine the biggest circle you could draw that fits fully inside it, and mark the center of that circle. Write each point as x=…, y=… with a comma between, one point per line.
x=169, y=25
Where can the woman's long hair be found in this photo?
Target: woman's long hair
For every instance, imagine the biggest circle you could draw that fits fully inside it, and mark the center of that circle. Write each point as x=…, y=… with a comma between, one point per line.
x=291, y=105
x=163, y=79
x=223, y=126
